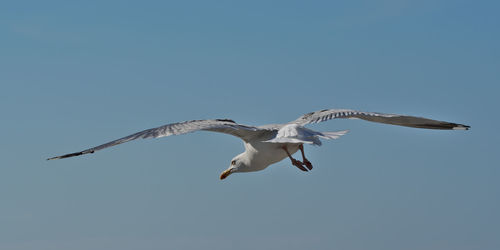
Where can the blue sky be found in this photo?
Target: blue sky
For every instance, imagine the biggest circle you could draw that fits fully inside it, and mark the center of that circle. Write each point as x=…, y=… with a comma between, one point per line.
x=75, y=75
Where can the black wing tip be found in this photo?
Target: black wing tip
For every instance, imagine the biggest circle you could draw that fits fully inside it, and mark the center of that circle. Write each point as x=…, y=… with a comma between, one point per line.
x=461, y=127
x=70, y=155
x=443, y=126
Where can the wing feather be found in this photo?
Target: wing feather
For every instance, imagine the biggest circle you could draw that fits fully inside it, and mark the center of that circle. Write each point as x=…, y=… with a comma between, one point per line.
x=219, y=125
x=394, y=119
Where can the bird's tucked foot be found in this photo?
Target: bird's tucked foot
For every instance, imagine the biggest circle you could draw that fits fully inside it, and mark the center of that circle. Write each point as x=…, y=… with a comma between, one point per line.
x=298, y=164
x=295, y=162
x=308, y=164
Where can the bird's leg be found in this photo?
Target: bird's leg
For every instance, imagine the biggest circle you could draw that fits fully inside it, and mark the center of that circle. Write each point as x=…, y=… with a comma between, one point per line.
x=304, y=160
x=295, y=162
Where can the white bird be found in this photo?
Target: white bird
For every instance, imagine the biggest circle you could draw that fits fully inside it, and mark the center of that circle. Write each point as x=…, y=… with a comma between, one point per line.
x=268, y=144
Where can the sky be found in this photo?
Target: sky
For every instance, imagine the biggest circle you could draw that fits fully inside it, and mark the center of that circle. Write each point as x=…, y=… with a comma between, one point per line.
x=78, y=74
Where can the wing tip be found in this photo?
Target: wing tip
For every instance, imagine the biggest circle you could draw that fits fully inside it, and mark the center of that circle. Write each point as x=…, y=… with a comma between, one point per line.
x=461, y=127
x=70, y=155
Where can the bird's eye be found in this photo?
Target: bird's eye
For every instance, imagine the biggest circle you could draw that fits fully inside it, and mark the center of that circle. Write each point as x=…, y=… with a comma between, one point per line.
x=233, y=162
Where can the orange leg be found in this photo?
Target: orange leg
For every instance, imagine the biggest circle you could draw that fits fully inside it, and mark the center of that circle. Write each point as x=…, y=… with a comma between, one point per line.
x=295, y=162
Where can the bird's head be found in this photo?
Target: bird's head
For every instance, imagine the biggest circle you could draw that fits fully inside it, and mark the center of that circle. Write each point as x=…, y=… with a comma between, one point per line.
x=237, y=165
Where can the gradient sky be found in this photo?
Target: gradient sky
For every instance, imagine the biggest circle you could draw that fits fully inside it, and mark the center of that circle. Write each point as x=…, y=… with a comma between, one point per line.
x=75, y=75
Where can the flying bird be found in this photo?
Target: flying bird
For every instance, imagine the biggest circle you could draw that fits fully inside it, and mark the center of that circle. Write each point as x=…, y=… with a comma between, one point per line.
x=269, y=144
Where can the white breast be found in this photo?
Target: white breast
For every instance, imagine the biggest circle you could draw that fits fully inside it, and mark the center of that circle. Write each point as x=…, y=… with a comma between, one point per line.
x=262, y=154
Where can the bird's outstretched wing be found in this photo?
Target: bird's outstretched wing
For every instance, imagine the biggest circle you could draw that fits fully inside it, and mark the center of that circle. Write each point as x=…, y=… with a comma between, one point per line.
x=401, y=120
x=219, y=125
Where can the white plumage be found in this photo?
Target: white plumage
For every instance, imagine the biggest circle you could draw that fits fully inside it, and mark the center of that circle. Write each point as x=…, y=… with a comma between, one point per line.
x=294, y=133
x=268, y=144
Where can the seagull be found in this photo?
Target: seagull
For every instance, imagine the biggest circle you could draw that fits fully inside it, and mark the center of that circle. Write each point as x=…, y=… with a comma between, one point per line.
x=269, y=144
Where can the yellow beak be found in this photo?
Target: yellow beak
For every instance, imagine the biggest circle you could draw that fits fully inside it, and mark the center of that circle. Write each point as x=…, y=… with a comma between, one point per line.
x=225, y=174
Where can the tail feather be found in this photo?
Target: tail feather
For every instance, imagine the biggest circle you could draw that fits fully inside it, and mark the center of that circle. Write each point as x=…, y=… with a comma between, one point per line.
x=332, y=135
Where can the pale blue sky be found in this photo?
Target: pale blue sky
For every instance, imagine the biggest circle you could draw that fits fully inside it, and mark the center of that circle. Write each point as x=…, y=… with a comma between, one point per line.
x=75, y=75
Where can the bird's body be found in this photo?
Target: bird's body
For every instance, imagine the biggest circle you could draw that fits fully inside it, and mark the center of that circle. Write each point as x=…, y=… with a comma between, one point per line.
x=268, y=149
x=269, y=144
x=260, y=155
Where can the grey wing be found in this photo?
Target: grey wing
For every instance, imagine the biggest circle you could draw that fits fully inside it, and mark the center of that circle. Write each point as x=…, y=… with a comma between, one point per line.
x=219, y=125
x=394, y=119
